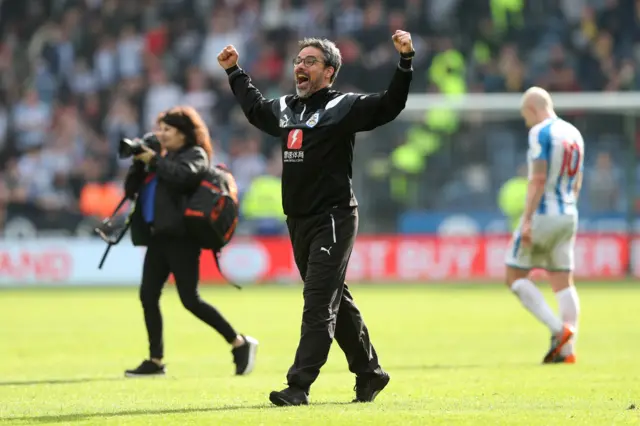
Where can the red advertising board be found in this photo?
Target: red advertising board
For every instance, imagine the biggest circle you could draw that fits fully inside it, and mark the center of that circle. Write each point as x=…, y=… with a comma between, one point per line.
x=412, y=259
x=381, y=259
x=60, y=261
x=44, y=265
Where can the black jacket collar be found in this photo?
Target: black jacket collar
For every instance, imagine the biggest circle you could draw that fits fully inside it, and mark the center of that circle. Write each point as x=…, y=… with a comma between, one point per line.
x=316, y=99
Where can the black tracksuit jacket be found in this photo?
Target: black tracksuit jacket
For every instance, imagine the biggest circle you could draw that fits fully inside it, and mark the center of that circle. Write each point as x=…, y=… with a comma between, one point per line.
x=317, y=135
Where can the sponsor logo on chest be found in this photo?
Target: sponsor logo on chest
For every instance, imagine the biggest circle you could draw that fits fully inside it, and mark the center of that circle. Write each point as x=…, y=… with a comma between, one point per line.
x=294, y=153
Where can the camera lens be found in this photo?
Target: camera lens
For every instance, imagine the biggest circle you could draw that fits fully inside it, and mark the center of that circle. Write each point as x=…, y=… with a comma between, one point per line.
x=128, y=148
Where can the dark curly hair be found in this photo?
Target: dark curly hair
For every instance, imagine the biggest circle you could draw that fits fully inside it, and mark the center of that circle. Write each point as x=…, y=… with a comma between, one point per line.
x=187, y=120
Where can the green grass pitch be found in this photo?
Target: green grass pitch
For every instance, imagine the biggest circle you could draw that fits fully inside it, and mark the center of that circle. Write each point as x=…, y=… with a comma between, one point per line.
x=457, y=355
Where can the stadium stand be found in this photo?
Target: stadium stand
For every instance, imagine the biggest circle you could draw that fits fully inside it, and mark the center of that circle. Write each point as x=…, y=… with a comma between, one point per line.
x=79, y=75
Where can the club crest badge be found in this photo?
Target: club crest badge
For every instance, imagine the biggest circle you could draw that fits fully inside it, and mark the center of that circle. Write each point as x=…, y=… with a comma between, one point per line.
x=311, y=122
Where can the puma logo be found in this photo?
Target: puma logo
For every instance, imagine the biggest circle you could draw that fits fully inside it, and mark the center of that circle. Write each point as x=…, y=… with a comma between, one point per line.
x=328, y=250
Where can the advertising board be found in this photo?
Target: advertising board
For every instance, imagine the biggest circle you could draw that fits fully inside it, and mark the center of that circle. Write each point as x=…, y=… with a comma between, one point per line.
x=378, y=259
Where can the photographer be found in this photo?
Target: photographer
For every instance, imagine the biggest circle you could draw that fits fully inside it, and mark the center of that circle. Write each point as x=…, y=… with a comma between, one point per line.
x=162, y=182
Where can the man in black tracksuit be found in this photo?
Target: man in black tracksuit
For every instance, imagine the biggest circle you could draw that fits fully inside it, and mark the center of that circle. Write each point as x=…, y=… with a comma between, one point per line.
x=317, y=128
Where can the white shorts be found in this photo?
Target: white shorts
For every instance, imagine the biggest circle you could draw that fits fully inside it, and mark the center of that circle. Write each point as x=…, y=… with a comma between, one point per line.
x=552, y=248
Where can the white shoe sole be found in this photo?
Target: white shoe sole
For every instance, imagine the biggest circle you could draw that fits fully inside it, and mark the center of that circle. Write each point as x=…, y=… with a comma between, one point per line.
x=253, y=349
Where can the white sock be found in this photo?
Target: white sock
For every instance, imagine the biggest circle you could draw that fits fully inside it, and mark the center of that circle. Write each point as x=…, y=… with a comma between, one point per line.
x=569, y=307
x=533, y=300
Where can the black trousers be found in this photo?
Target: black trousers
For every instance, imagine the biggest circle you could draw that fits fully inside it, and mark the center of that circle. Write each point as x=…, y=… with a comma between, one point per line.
x=322, y=247
x=182, y=258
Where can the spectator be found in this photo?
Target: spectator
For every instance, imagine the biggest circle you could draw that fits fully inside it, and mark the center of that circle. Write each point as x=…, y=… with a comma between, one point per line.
x=248, y=161
x=162, y=95
x=76, y=83
x=32, y=119
x=603, y=185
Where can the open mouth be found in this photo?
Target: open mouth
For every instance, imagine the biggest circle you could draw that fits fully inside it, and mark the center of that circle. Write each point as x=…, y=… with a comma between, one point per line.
x=301, y=79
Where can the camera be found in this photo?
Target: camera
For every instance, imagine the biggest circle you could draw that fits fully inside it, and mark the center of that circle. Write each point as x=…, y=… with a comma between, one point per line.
x=130, y=147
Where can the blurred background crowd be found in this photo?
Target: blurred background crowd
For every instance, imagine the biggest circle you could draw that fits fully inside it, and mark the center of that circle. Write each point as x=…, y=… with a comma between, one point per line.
x=78, y=75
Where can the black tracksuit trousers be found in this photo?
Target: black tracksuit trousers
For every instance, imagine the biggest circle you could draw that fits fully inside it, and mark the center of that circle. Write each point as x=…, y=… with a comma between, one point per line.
x=322, y=247
x=181, y=257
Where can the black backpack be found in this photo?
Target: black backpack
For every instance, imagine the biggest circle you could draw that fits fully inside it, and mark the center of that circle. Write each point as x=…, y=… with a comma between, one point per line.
x=211, y=216
x=212, y=211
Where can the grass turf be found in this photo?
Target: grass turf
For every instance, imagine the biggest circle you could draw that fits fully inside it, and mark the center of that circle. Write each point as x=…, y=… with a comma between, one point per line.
x=457, y=355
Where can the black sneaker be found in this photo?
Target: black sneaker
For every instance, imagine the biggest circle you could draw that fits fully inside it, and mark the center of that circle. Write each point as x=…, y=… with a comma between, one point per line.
x=148, y=368
x=289, y=397
x=244, y=357
x=368, y=387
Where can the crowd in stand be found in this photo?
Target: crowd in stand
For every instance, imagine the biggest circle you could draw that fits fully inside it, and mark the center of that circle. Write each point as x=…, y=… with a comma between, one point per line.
x=78, y=75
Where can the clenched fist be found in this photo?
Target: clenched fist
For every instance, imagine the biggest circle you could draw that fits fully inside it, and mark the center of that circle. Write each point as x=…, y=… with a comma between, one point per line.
x=228, y=57
x=402, y=41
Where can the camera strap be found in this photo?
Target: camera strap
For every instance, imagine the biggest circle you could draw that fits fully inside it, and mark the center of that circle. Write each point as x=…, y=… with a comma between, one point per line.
x=216, y=256
x=110, y=240
x=113, y=241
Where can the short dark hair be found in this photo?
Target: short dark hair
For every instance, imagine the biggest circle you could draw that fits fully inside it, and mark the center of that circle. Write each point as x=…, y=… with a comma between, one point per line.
x=330, y=51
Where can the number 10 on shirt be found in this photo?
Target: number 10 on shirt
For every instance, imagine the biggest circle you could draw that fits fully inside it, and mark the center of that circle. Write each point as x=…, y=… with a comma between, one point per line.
x=570, y=158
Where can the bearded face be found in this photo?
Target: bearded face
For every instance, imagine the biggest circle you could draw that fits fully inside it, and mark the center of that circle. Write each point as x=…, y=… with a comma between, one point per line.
x=310, y=72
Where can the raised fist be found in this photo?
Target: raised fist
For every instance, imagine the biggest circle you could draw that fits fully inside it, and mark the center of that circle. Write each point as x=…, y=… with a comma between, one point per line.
x=228, y=57
x=402, y=41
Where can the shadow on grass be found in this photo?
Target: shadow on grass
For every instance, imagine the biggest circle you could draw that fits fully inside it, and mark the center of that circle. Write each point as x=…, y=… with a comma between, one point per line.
x=76, y=417
x=415, y=367
x=79, y=380
x=59, y=381
x=405, y=367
